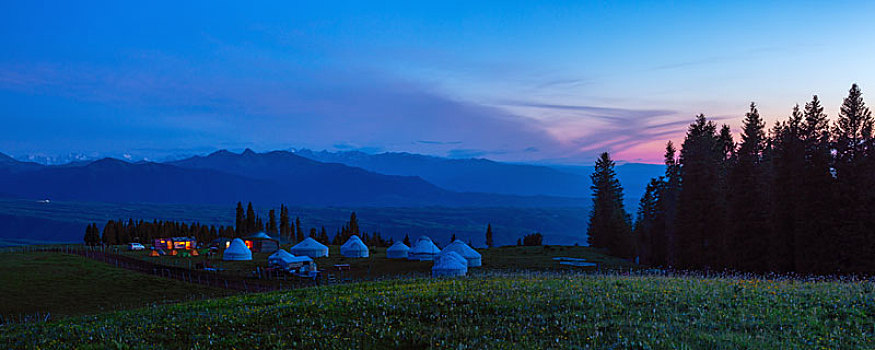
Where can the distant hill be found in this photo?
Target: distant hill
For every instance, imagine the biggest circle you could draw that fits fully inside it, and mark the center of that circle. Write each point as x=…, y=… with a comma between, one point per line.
x=224, y=178
x=483, y=175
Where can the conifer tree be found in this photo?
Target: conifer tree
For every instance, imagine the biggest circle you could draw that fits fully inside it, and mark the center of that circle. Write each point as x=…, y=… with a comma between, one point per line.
x=250, y=220
x=609, y=224
x=353, y=224
x=815, y=234
x=748, y=204
x=299, y=230
x=489, y=241
x=406, y=240
x=271, y=223
x=700, y=211
x=788, y=162
x=240, y=222
x=284, y=223
x=854, y=169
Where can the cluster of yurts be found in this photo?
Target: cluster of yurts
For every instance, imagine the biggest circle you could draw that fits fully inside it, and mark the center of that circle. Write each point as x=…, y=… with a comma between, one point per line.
x=453, y=260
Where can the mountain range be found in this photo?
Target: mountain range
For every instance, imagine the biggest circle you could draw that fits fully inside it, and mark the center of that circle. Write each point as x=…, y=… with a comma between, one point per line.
x=224, y=178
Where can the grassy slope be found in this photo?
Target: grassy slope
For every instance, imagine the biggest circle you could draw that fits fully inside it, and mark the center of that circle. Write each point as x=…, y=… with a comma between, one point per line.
x=71, y=285
x=532, y=311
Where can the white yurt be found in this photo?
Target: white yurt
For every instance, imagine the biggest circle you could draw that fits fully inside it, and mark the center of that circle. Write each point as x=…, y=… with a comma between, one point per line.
x=398, y=250
x=280, y=258
x=471, y=255
x=309, y=247
x=449, y=264
x=354, y=248
x=423, y=249
x=237, y=250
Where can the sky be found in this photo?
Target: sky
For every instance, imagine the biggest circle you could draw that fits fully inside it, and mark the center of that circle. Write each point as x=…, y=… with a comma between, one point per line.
x=540, y=81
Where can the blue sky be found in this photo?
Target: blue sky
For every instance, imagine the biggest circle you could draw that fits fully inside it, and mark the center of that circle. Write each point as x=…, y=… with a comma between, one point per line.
x=516, y=81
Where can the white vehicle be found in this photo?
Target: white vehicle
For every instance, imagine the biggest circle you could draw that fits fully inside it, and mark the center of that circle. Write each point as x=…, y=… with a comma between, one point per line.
x=136, y=246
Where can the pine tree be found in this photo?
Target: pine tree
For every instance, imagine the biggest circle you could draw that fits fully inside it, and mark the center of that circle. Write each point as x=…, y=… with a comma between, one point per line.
x=353, y=224
x=453, y=238
x=406, y=240
x=645, y=223
x=271, y=223
x=609, y=224
x=284, y=223
x=749, y=209
x=489, y=241
x=250, y=220
x=299, y=230
x=699, y=221
x=240, y=222
x=665, y=251
x=788, y=162
x=815, y=237
x=854, y=169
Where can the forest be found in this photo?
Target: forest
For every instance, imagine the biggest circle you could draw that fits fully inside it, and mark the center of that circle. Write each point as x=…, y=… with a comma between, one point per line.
x=798, y=197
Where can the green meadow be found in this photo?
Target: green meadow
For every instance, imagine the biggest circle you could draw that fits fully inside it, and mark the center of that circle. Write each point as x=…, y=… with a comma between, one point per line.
x=492, y=310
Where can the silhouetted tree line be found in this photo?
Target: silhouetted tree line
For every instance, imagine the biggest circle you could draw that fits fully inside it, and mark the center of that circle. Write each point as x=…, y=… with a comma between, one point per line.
x=799, y=197
x=123, y=232
x=352, y=228
x=532, y=239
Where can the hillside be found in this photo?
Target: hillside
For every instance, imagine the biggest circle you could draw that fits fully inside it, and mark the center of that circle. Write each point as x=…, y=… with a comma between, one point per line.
x=499, y=311
x=68, y=285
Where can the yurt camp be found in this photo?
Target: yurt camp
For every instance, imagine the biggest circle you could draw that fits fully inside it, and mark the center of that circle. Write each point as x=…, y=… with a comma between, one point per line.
x=237, y=251
x=281, y=258
x=398, y=250
x=423, y=249
x=354, y=248
x=310, y=247
x=261, y=242
x=471, y=256
x=449, y=264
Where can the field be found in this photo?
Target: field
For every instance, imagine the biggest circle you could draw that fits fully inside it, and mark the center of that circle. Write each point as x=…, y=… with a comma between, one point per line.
x=540, y=310
x=68, y=285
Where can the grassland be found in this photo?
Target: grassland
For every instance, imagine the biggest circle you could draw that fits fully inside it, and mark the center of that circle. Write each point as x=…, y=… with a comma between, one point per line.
x=67, y=285
x=500, y=311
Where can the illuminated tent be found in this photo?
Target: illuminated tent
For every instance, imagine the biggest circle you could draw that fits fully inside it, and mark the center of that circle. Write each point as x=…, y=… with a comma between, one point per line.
x=154, y=253
x=280, y=258
x=470, y=255
x=237, y=251
x=398, y=250
x=310, y=247
x=449, y=264
x=423, y=249
x=261, y=242
x=354, y=248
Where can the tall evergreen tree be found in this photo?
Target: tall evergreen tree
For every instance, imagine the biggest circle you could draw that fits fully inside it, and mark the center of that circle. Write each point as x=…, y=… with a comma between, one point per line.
x=250, y=220
x=271, y=223
x=353, y=224
x=406, y=240
x=645, y=223
x=815, y=236
x=609, y=224
x=700, y=213
x=489, y=241
x=750, y=222
x=855, y=179
x=299, y=231
x=788, y=164
x=240, y=222
x=284, y=223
